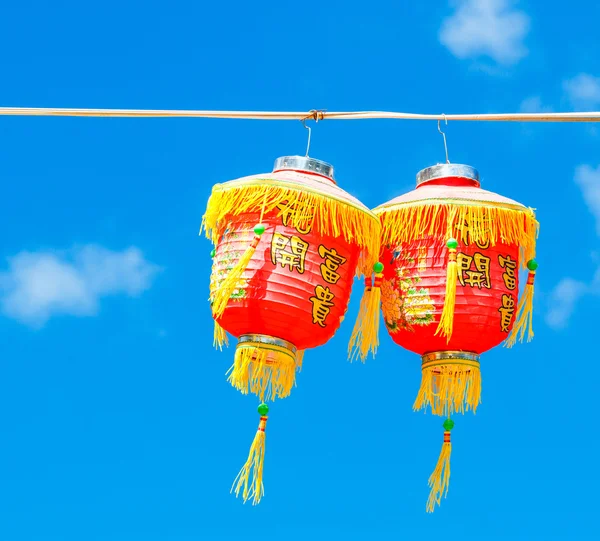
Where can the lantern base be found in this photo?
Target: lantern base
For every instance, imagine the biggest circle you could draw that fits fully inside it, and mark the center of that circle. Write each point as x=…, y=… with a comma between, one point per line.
x=265, y=366
x=450, y=382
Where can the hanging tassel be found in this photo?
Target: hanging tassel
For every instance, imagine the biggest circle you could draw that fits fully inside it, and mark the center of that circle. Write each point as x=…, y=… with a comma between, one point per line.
x=440, y=478
x=299, y=359
x=365, y=336
x=353, y=345
x=231, y=282
x=219, y=337
x=249, y=480
x=524, y=315
x=447, y=318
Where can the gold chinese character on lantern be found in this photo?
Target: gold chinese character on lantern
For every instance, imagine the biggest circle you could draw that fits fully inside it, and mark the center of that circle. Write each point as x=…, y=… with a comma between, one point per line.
x=510, y=271
x=297, y=215
x=322, y=303
x=288, y=251
x=506, y=311
x=474, y=270
x=332, y=263
x=466, y=234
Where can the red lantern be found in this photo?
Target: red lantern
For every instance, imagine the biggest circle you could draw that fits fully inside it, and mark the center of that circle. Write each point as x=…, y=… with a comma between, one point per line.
x=449, y=286
x=288, y=245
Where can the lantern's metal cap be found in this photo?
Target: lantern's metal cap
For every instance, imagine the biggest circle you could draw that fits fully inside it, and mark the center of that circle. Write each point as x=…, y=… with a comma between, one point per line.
x=447, y=170
x=304, y=163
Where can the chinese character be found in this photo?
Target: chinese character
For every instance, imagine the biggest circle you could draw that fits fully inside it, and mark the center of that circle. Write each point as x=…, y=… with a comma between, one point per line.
x=289, y=251
x=289, y=212
x=465, y=230
x=509, y=276
x=479, y=276
x=321, y=304
x=332, y=262
x=506, y=311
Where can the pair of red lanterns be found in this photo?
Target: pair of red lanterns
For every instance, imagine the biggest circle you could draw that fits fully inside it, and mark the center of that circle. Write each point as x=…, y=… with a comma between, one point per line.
x=441, y=262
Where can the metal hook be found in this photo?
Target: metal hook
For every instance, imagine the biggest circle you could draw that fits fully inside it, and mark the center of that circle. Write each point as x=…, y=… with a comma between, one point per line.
x=444, y=136
x=309, y=132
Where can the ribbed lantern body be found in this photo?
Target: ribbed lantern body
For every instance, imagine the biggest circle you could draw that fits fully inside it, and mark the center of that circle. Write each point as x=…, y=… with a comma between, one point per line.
x=414, y=285
x=297, y=285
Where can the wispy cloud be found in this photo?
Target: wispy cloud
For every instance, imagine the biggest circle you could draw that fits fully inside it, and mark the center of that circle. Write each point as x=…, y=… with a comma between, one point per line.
x=492, y=28
x=588, y=180
x=39, y=285
x=563, y=299
x=583, y=91
x=566, y=294
x=534, y=104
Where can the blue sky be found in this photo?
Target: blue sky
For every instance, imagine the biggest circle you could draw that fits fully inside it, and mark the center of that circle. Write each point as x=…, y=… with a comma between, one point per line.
x=117, y=423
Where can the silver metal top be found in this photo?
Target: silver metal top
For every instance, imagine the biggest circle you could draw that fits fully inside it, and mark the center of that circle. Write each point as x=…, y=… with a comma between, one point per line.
x=267, y=340
x=450, y=356
x=304, y=163
x=446, y=170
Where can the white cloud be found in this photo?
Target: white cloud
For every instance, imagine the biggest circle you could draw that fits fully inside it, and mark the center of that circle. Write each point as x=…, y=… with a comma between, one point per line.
x=39, y=285
x=566, y=294
x=490, y=28
x=583, y=91
x=588, y=180
x=563, y=300
x=534, y=104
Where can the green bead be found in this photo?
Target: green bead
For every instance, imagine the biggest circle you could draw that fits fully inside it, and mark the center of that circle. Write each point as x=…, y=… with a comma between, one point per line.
x=448, y=425
x=532, y=264
x=452, y=244
x=263, y=409
x=378, y=267
x=213, y=252
x=259, y=229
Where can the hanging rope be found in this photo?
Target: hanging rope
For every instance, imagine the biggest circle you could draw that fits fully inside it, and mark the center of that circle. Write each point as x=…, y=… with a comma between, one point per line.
x=314, y=114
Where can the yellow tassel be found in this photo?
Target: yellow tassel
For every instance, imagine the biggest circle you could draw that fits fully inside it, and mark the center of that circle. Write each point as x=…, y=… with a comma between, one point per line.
x=448, y=386
x=268, y=371
x=231, y=281
x=365, y=336
x=299, y=359
x=446, y=324
x=524, y=315
x=249, y=480
x=439, y=481
x=219, y=337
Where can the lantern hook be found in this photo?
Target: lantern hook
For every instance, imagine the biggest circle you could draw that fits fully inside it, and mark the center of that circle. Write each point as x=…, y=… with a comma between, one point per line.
x=444, y=136
x=309, y=132
x=316, y=115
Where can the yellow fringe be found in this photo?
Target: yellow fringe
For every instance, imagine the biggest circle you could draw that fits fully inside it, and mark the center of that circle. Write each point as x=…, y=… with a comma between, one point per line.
x=440, y=478
x=231, y=281
x=219, y=337
x=487, y=221
x=365, y=336
x=523, y=317
x=449, y=388
x=446, y=324
x=253, y=467
x=268, y=372
x=329, y=215
x=299, y=359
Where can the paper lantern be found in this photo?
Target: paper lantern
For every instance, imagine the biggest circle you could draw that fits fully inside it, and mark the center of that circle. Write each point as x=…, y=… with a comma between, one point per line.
x=451, y=254
x=287, y=247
